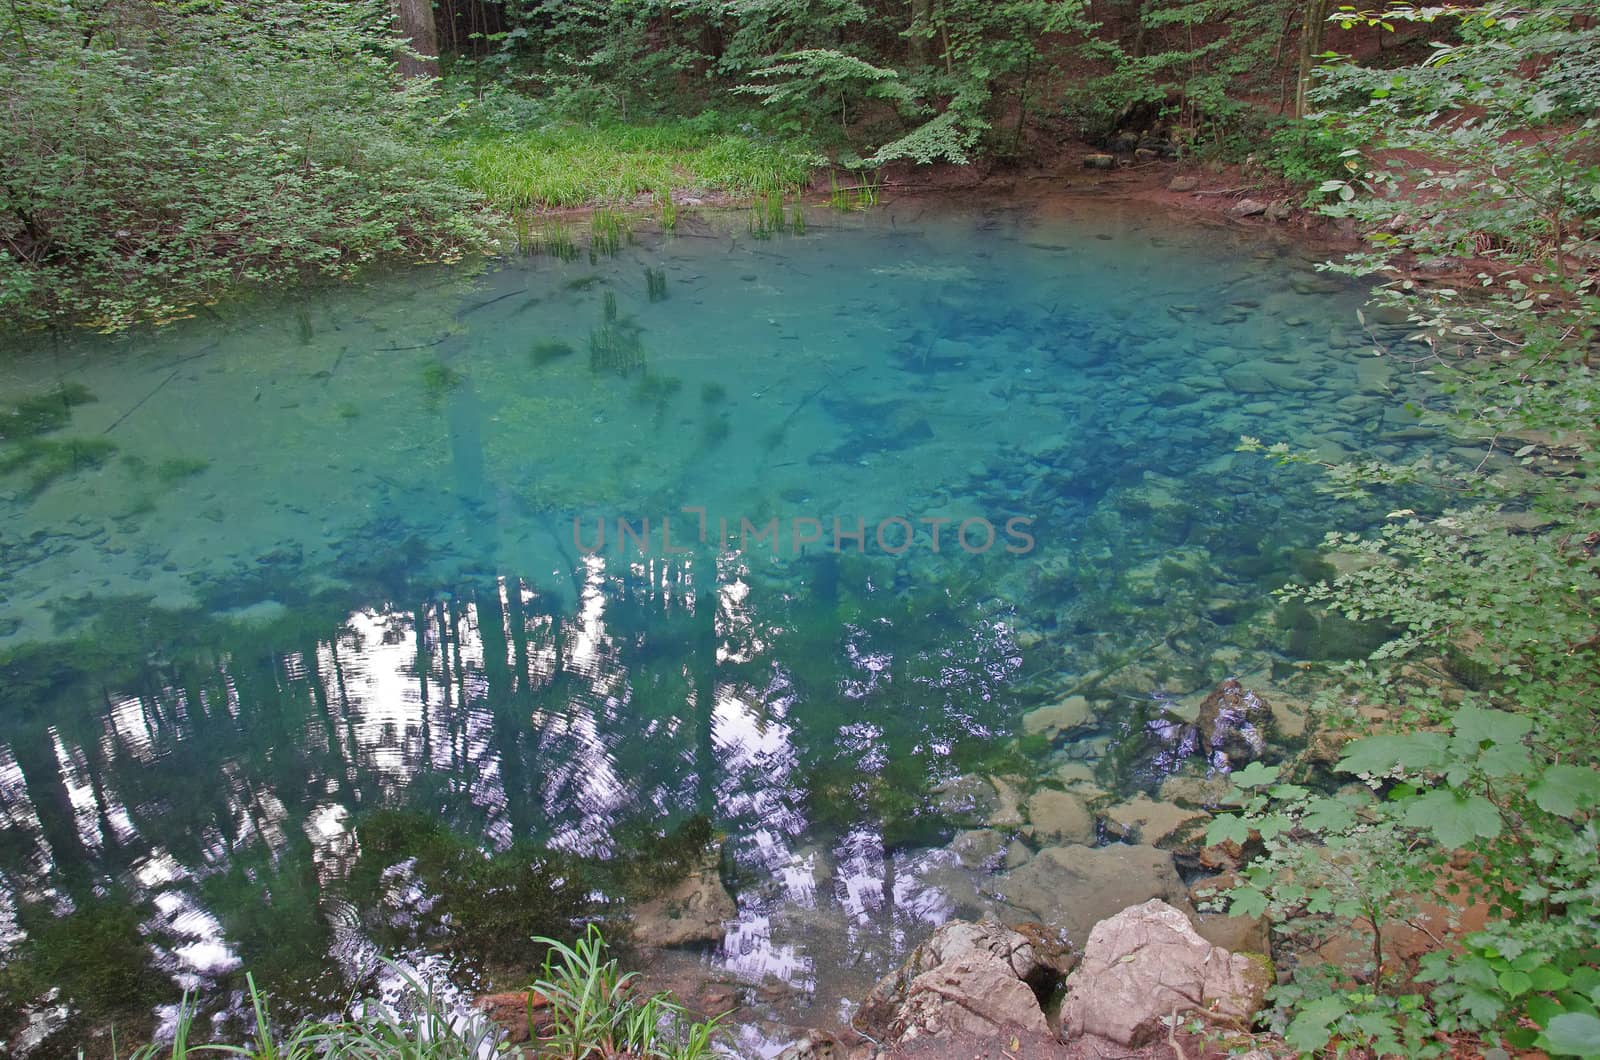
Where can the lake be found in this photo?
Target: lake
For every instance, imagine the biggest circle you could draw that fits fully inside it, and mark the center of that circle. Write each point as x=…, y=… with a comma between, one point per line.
x=775, y=536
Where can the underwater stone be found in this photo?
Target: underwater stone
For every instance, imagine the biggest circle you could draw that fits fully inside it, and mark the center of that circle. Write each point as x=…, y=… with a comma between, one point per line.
x=1246, y=380
x=1051, y=721
x=1058, y=817
x=979, y=848
x=1183, y=183
x=1206, y=792
x=1374, y=375
x=1235, y=723
x=1072, y=888
x=691, y=912
x=1150, y=821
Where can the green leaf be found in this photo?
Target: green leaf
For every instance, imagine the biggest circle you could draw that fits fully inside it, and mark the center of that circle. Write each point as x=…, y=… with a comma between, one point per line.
x=1454, y=819
x=1515, y=983
x=1478, y=726
x=1547, y=978
x=1328, y=815
x=1485, y=1006
x=1312, y=1026
x=1229, y=828
x=1377, y=755
x=1255, y=775
x=1247, y=901
x=1562, y=790
x=1574, y=1033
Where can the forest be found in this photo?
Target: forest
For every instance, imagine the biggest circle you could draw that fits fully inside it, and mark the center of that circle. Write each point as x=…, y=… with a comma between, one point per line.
x=166, y=160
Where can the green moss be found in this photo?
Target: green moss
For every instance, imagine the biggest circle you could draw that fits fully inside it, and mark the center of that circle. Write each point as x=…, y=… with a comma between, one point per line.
x=439, y=378
x=716, y=430
x=47, y=460
x=36, y=415
x=548, y=350
x=489, y=905
x=96, y=955
x=654, y=389
x=178, y=468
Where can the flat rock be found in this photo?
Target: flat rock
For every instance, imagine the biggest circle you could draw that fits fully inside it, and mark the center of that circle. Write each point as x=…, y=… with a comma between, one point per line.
x=1073, y=712
x=1153, y=822
x=1059, y=817
x=1247, y=208
x=1183, y=183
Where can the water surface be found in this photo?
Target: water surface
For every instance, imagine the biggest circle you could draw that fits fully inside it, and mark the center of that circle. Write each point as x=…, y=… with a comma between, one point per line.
x=278, y=569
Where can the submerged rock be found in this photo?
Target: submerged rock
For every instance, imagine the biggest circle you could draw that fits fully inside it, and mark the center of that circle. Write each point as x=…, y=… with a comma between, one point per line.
x=1152, y=822
x=518, y=1013
x=1073, y=712
x=1059, y=817
x=969, y=979
x=691, y=913
x=1146, y=964
x=1072, y=888
x=1247, y=208
x=1234, y=724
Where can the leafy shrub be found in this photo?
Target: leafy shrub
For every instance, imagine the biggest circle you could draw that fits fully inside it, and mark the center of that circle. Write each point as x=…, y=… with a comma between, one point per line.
x=158, y=154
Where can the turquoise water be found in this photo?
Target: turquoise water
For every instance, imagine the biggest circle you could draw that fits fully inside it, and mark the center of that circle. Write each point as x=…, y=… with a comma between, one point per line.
x=274, y=571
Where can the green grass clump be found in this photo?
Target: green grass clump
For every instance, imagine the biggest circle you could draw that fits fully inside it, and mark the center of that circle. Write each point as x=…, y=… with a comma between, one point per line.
x=655, y=282
x=594, y=1010
x=608, y=230
x=573, y=165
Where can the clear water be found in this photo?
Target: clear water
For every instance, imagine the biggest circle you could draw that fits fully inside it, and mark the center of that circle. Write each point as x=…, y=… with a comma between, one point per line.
x=336, y=563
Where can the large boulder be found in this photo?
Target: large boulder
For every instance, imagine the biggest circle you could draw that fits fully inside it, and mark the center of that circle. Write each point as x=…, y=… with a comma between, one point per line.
x=1234, y=724
x=1146, y=964
x=1072, y=888
x=968, y=980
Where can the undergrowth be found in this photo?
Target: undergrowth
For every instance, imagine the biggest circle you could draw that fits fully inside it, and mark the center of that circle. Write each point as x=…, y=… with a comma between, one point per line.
x=566, y=165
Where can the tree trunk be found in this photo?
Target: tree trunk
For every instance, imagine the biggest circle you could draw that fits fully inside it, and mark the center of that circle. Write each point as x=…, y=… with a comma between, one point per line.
x=1310, y=47
x=921, y=31
x=414, y=20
